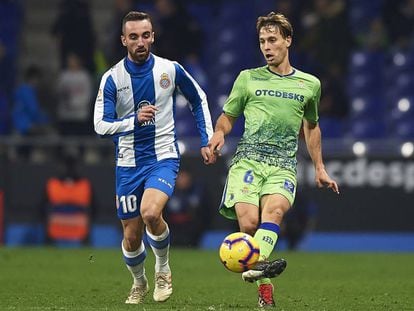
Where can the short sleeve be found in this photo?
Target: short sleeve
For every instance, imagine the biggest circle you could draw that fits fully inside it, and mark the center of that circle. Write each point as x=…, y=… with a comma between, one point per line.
x=311, y=108
x=235, y=103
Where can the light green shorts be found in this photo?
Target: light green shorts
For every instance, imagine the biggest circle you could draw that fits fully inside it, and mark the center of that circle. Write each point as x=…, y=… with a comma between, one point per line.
x=249, y=180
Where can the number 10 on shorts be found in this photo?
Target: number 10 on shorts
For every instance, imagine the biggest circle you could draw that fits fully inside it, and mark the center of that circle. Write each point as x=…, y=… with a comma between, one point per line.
x=128, y=203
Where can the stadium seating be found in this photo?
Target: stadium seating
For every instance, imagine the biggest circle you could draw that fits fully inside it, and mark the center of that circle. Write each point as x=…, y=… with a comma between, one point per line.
x=362, y=12
x=404, y=129
x=401, y=84
x=363, y=83
x=401, y=117
x=402, y=108
x=366, y=106
x=331, y=127
x=368, y=128
x=362, y=61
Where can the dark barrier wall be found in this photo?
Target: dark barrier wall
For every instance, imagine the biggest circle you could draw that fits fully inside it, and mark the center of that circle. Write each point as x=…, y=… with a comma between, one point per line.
x=376, y=194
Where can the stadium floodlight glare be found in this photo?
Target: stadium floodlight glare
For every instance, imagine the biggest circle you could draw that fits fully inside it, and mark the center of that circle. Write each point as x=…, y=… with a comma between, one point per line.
x=181, y=146
x=399, y=59
x=404, y=104
x=358, y=104
x=407, y=149
x=359, y=148
x=359, y=59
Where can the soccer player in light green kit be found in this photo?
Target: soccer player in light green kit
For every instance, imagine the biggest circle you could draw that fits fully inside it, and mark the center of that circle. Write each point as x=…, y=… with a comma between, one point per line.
x=276, y=101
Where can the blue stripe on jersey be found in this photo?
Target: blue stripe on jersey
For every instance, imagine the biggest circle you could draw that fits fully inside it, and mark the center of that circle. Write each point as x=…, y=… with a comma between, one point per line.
x=109, y=97
x=187, y=87
x=159, y=244
x=134, y=261
x=144, y=94
x=109, y=114
x=174, y=97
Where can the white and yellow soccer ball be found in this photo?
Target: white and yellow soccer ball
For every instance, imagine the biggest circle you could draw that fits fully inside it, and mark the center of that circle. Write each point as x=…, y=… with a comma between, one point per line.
x=239, y=252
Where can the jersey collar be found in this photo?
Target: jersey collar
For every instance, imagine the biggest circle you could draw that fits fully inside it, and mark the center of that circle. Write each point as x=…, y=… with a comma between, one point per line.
x=135, y=69
x=279, y=75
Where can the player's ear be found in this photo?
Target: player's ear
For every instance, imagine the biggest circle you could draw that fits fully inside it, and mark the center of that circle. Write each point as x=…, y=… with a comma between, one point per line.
x=153, y=37
x=123, y=40
x=288, y=41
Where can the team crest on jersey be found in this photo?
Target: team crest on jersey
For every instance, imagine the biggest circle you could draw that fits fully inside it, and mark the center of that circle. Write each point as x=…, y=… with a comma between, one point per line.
x=165, y=81
x=301, y=84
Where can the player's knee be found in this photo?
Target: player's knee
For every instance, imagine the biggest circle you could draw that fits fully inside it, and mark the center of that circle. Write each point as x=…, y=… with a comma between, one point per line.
x=274, y=214
x=249, y=226
x=150, y=216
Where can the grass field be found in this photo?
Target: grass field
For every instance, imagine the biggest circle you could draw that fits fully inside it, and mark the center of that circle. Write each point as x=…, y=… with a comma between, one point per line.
x=91, y=279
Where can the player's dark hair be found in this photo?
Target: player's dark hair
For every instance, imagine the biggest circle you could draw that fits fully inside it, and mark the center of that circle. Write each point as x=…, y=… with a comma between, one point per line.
x=134, y=16
x=277, y=20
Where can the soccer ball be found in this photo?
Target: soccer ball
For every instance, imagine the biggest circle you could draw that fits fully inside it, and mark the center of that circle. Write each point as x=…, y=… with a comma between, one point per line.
x=239, y=252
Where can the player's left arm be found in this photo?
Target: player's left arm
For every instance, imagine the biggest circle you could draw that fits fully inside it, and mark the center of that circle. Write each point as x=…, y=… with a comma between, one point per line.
x=312, y=134
x=199, y=108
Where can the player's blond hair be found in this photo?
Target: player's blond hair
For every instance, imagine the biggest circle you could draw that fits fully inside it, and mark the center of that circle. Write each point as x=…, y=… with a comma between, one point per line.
x=277, y=20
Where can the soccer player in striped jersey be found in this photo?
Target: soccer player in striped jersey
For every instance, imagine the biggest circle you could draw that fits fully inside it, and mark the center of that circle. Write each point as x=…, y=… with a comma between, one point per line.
x=135, y=107
x=276, y=100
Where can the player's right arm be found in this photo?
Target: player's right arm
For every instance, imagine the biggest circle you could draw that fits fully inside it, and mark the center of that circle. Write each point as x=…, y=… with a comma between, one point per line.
x=106, y=121
x=224, y=125
x=232, y=109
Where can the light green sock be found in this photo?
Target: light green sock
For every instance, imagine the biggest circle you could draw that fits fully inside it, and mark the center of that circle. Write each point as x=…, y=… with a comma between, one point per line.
x=267, y=241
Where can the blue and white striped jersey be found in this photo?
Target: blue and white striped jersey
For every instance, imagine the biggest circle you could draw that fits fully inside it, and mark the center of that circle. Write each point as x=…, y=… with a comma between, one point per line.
x=128, y=86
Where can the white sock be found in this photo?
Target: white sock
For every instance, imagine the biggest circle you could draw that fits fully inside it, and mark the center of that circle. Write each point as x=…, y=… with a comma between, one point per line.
x=137, y=270
x=160, y=245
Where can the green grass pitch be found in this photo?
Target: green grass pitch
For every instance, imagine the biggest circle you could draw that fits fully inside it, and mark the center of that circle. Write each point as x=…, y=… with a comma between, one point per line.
x=92, y=279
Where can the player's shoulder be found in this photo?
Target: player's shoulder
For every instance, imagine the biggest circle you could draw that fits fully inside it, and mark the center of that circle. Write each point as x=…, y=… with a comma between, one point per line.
x=255, y=71
x=158, y=60
x=167, y=65
x=307, y=77
x=258, y=73
x=113, y=70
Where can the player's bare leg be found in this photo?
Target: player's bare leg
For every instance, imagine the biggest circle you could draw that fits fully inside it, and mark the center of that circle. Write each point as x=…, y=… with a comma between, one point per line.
x=134, y=253
x=158, y=235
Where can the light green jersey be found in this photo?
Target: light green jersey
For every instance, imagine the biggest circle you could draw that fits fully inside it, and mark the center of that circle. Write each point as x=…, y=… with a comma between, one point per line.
x=273, y=107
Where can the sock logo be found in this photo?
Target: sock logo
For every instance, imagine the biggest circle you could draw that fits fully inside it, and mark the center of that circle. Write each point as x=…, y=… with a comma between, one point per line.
x=268, y=239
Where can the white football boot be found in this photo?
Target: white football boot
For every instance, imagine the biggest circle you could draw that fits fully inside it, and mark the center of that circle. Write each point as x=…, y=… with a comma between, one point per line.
x=137, y=293
x=163, y=286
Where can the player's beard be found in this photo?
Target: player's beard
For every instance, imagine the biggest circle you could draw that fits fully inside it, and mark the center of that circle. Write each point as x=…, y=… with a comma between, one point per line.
x=140, y=55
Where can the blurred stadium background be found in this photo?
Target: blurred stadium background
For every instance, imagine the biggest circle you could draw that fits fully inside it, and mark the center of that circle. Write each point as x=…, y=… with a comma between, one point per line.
x=363, y=52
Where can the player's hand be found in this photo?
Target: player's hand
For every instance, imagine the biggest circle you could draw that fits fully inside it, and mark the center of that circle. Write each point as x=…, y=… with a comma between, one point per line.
x=322, y=179
x=146, y=113
x=208, y=157
x=216, y=143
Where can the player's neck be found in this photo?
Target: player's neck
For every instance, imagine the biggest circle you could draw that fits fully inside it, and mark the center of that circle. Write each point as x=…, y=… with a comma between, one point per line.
x=282, y=69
